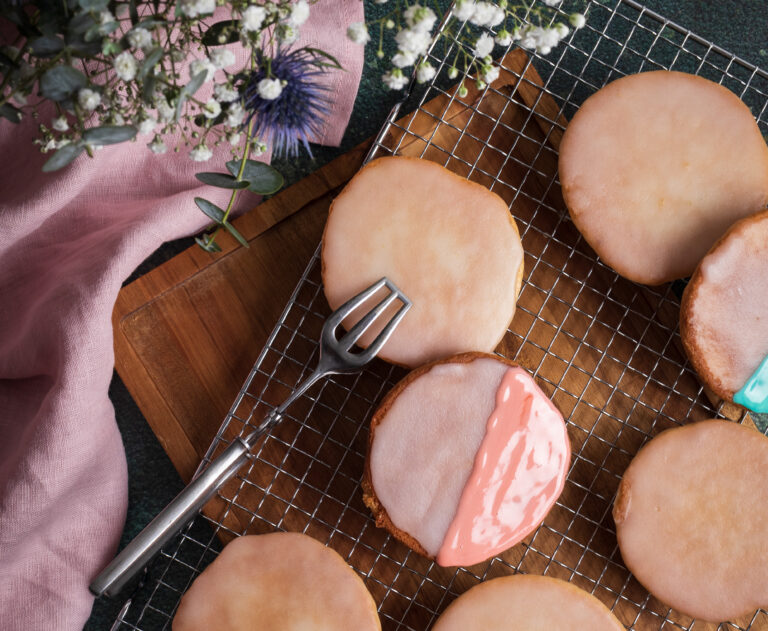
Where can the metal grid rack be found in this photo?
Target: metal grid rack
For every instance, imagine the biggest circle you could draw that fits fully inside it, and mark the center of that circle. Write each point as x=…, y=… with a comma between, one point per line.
x=607, y=351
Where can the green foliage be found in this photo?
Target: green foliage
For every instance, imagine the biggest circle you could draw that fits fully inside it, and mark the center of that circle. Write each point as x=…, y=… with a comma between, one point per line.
x=46, y=46
x=189, y=89
x=210, y=209
x=226, y=30
x=109, y=134
x=10, y=112
x=221, y=180
x=61, y=82
x=63, y=157
x=262, y=178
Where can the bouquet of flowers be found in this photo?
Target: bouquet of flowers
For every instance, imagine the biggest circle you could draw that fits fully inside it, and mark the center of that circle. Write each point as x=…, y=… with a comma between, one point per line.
x=132, y=70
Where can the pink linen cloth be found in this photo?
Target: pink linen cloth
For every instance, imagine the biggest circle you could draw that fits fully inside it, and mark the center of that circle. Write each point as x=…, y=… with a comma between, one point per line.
x=67, y=241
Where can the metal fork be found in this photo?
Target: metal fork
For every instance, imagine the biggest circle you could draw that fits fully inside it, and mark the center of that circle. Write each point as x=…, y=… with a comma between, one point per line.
x=335, y=357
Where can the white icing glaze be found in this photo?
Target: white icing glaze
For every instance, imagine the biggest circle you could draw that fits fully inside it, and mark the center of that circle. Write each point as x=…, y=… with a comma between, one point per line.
x=277, y=582
x=729, y=311
x=449, y=245
x=691, y=519
x=656, y=166
x=424, y=448
x=527, y=603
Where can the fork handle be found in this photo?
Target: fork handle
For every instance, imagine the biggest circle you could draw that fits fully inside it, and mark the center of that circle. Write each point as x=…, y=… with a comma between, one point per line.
x=182, y=509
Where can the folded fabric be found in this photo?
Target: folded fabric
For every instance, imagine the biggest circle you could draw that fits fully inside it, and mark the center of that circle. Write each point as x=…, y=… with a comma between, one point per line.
x=67, y=241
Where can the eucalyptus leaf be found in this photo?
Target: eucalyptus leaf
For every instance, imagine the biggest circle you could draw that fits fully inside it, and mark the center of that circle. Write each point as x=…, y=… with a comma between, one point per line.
x=99, y=30
x=148, y=88
x=10, y=112
x=80, y=24
x=207, y=244
x=210, y=209
x=230, y=27
x=60, y=82
x=63, y=157
x=262, y=178
x=334, y=63
x=93, y=5
x=231, y=229
x=109, y=134
x=150, y=61
x=46, y=46
x=189, y=89
x=222, y=180
x=151, y=23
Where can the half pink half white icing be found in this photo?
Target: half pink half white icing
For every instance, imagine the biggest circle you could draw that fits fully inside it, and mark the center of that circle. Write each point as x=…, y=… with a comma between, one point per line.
x=467, y=457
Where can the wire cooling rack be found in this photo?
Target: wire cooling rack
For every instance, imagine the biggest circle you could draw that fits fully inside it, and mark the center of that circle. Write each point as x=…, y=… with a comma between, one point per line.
x=606, y=350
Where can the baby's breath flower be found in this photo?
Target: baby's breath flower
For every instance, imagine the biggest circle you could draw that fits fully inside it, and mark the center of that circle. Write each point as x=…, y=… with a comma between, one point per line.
x=551, y=3
x=200, y=153
x=105, y=17
x=193, y=8
x=425, y=72
x=125, y=66
x=562, y=30
x=299, y=12
x=222, y=57
x=490, y=73
x=200, y=65
x=269, y=89
x=463, y=91
x=395, y=79
x=358, y=33
x=211, y=109
x=503, y=37
x=577, y=20
x=116, y=118
x=287, y=33
x=404, y=59
x=419, y=18
x=147, y=125
x=487, y=14
x=464, y=9
x=60, y=123
x=233, y=138
x=164, y=111
x=483, y=46
x=88, y=99
x=235, y=114
x=140, y=38
x=225, y=93
x=252, y=18
x=258, y=149
x=413, y=41
x=453, y=72
x=157, y=145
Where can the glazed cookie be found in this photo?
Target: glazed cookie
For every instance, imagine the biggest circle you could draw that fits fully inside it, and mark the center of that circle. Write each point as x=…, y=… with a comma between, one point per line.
x=526, y=603
x=275, y=582
x=691, y=515
x=656, y=166
x=451, y=245
x=724, y=315
x=466, y=457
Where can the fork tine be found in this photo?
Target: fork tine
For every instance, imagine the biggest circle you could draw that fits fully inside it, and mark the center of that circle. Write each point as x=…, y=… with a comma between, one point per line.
x=356, y=331
x=344, y=310
x=375, y=346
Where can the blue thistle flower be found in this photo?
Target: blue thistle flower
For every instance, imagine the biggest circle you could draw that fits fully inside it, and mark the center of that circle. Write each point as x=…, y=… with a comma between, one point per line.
x=303, y=104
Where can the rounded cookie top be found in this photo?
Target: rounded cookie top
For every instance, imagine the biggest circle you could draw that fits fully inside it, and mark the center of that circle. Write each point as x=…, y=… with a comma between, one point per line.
x=466, y=457
x=526, y=602
x=656, y=166
x=275, y=582
x=690, y=519
x=724, y=312
x=451, y=245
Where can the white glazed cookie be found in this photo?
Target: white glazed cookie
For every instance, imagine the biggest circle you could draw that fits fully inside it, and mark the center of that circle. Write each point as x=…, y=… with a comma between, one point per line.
x=451, y=245
x=724, y=315
x=691, y=515
x=466, y=457
x=524, y=602
x=656, y=166
x=276, y=582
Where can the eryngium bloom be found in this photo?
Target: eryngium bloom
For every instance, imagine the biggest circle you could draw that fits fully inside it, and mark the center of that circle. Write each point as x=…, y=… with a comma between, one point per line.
x=300, y=109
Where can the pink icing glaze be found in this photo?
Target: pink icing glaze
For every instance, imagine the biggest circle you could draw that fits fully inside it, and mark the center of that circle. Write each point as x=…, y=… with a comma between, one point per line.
x=518, y=473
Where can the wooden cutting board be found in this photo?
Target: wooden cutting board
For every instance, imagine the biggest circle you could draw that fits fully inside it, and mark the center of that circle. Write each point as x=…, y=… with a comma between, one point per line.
x=188, y=332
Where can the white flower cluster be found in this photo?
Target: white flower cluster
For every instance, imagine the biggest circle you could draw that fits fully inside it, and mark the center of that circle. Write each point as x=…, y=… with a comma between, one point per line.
x=479, y=13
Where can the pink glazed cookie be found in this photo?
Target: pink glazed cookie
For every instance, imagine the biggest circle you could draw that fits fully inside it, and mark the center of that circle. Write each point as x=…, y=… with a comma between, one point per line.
x=466, y=457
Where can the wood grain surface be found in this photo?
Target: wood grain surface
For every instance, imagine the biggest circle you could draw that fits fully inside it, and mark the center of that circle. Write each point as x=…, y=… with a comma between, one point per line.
x=187, y=334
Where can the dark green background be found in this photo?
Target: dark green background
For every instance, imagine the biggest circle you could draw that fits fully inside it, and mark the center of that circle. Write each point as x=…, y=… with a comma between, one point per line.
x=739, y=27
